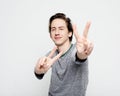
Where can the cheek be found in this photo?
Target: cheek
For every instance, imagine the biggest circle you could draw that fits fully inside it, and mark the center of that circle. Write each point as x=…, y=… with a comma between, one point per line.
x=67, y=35
x=51, y=36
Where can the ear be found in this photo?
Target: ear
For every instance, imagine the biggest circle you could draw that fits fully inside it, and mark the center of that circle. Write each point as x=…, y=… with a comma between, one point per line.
x=70, y=34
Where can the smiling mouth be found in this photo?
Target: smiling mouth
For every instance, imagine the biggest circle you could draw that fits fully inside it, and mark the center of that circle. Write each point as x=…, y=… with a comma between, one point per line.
x=57, y=38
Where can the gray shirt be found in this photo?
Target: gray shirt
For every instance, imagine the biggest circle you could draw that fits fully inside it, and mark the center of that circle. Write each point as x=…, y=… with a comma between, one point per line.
x=69, y=75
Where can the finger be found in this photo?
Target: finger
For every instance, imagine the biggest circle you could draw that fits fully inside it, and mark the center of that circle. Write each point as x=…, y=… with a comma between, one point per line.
x=75, y=32
x=42, y=61
x=85, y=32
x=88, y=44
x=52, y=52
x=57, y=57
x=89, y=50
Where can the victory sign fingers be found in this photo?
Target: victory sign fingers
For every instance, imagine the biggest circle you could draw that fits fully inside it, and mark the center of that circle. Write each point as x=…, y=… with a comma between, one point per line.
x=82, y=43
x=46, y=62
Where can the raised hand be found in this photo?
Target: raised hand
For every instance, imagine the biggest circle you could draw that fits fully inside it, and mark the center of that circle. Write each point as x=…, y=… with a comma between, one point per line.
x=83, y=45
x=44, y=63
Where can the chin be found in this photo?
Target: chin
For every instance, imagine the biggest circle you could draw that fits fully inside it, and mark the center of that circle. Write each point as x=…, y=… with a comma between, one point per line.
x=58, y=44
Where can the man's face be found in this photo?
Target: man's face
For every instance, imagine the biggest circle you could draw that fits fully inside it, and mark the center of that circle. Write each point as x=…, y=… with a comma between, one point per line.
x=59, y=32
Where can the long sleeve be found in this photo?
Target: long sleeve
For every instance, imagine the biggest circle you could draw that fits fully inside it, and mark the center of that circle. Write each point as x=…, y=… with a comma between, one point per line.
x=39, y=76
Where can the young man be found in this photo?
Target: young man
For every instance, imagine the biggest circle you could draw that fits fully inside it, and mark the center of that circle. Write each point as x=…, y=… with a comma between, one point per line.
x=69, y=62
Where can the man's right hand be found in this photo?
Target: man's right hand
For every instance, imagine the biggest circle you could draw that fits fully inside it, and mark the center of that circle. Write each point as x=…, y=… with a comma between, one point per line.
x=44, y=63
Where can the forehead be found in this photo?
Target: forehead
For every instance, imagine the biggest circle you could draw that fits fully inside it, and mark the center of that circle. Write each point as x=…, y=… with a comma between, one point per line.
x=58, y=22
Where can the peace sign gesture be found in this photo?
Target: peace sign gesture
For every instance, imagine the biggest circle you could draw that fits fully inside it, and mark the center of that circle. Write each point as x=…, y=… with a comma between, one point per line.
x=83, y=45
x=44, y=63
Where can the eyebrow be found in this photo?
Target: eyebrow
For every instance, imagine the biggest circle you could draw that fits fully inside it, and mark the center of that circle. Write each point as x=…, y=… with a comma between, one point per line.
x=61, y=27
x=58, y=27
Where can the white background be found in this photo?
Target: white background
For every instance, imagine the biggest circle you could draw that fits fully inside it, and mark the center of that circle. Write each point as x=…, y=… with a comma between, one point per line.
x=24, y=38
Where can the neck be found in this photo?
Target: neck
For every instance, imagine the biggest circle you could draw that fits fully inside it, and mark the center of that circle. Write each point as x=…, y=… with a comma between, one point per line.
x=64, y=47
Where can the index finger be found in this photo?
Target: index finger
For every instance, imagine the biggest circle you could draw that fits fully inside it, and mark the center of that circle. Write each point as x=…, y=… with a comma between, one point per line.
x=75, y=32
x=85, y=32
x=52, y=52
x=57, y=56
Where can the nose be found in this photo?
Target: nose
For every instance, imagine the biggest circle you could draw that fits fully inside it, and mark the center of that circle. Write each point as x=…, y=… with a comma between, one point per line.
x=57, y=32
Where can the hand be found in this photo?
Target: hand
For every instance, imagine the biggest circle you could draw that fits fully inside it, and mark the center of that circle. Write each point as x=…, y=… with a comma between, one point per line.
x=44, y=64
x=83, y=45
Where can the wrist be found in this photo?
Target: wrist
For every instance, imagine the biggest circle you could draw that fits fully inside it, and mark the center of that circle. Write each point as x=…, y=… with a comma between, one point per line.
x=81, y=57
x=38, y=71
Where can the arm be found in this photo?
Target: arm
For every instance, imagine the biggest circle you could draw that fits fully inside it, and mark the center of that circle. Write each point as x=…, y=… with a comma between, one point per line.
x=83, y=45
x=45, y=63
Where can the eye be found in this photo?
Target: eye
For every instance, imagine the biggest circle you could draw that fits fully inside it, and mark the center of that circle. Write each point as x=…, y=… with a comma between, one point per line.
x=52, y=29
x=61, y=28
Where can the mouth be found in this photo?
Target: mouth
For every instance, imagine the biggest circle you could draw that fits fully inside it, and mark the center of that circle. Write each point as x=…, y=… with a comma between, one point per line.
x=57, y=38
